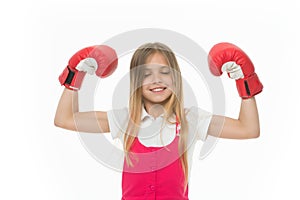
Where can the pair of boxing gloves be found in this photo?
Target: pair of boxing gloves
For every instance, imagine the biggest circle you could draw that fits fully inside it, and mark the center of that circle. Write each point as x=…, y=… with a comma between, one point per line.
x=102, y=60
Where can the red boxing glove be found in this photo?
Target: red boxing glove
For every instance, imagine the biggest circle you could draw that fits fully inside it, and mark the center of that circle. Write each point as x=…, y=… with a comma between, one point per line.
x=230, y=58
x=100, y=59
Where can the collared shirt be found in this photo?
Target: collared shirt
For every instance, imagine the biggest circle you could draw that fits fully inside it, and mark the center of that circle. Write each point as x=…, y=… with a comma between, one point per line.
x=154, y=133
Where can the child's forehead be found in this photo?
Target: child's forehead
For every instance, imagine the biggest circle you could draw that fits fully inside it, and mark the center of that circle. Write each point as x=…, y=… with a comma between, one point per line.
x=155, y=66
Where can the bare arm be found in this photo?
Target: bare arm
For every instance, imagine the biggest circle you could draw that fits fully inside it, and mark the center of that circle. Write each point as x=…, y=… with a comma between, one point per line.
x=245, y=127
x=68, y=116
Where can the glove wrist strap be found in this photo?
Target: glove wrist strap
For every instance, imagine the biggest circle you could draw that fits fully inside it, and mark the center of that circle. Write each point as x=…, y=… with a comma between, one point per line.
x=249, y=86
x=71, y=79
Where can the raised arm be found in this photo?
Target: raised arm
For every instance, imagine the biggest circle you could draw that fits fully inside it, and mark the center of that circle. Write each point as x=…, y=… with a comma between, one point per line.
x=226, y=57
x=246, y=126
x=100, y=60
x=68, y=117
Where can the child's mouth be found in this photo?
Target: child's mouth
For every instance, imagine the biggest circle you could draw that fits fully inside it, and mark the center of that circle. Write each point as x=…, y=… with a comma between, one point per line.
x=158, y=89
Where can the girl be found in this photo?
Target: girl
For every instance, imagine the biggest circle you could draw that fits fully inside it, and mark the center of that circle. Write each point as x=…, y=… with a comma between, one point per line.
x=158, y=134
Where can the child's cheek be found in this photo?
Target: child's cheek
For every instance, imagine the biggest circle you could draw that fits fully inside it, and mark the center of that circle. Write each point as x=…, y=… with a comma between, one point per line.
x=146, y=81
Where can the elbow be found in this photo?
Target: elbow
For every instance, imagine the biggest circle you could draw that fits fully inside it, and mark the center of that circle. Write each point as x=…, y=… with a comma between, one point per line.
x=250, y=131
x=65, y=124
x=255, y=133
x=58, y=123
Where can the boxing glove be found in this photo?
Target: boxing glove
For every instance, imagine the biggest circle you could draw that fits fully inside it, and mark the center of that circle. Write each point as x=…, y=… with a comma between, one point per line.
x=227, y=57
x=101, y=60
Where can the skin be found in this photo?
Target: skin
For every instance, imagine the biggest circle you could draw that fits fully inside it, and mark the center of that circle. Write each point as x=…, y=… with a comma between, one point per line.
x=67, y=116
x=157, y=84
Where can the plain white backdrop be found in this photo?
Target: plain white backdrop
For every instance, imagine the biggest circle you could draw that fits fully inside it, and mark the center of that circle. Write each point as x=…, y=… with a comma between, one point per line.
x=41, y=161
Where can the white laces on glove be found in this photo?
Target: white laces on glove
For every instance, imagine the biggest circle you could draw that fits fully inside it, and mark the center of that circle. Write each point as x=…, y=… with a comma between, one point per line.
x=233, y=69
x=88, y=65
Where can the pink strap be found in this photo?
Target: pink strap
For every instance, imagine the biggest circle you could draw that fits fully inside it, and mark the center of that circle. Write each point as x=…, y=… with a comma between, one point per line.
x=177, y=126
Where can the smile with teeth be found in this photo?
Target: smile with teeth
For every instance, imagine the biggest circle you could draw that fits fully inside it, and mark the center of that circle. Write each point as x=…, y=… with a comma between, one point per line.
x=158, y=89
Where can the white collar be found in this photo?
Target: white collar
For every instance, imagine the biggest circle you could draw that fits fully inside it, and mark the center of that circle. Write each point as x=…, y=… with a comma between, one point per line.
x=146, y=115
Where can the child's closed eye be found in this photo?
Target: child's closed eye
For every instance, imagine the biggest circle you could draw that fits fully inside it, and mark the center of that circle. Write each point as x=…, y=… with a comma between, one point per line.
x=165, y=70
x=147, y=74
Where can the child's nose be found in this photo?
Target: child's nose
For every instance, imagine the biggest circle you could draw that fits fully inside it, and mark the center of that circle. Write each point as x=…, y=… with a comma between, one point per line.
x=156, y=78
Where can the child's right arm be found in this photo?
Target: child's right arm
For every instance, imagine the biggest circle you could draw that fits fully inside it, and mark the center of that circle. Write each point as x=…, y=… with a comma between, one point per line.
x=100, y=60
x=68, y=117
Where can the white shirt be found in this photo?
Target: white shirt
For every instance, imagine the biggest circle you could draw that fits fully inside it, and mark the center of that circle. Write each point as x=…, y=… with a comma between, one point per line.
x=153, y=133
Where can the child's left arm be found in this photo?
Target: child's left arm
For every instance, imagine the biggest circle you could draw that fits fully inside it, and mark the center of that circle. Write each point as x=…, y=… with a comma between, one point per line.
x=245, y=127
x=226, y=57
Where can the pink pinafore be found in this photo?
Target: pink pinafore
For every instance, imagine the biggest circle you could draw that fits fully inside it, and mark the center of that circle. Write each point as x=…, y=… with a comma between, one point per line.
x=156, y=174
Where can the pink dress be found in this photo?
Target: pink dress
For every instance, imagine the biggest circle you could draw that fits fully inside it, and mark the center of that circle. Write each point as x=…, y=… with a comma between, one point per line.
x=156, y=174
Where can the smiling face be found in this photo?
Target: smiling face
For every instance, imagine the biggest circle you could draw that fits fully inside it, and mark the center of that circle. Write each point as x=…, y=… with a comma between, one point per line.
x=155, y=83
x=157, y=86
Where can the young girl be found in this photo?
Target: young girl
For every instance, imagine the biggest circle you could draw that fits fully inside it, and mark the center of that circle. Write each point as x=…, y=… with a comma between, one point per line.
x=158, y=134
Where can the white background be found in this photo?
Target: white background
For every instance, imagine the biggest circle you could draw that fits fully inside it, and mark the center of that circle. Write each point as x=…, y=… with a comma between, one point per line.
x=40, y=161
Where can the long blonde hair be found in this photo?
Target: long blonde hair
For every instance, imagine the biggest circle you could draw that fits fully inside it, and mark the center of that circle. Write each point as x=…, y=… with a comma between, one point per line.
x=174, y=105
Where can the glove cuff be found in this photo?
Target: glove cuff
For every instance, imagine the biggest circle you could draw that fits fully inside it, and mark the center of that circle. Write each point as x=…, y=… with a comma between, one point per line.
x=249, y=86
x=71, y=79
